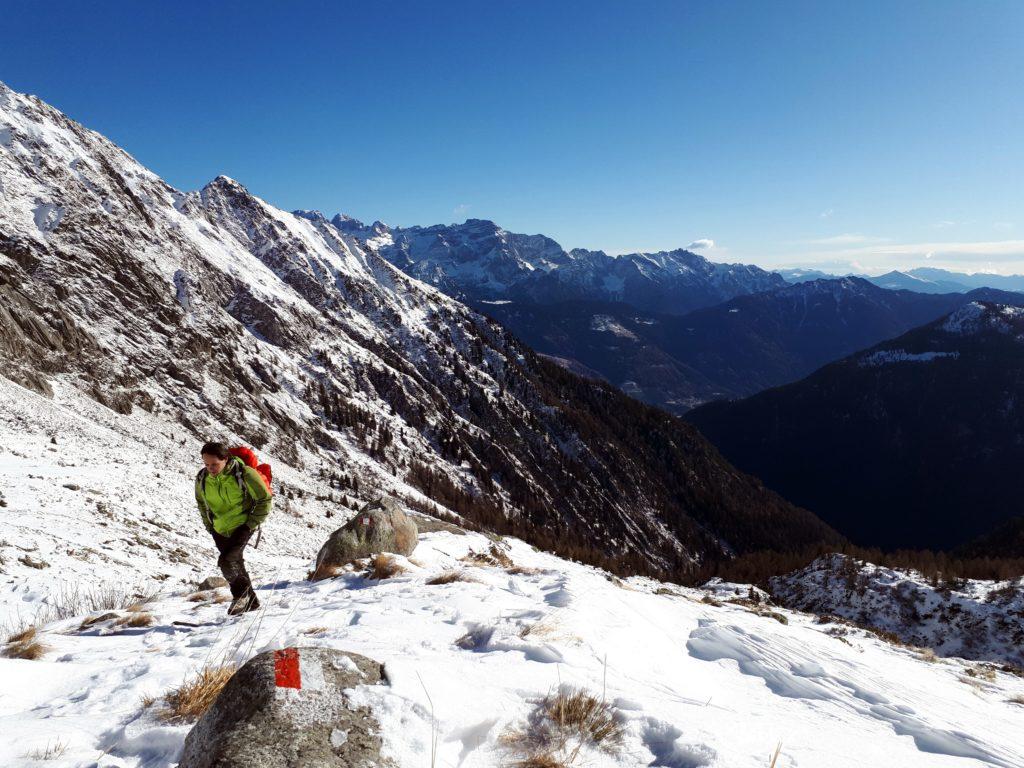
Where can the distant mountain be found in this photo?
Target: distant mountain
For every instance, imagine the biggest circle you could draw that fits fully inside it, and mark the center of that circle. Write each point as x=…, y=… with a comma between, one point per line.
x=918, y=441
x=905, y=281
x=669, y=282
x=731, y=350
x=479, y=261
x=920, y=279
x=754, y=342
x=803, y=275
x=612, y=340
x=976, y=280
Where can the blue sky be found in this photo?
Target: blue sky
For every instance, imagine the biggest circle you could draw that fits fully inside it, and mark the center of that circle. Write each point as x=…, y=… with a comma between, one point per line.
x=854, y=135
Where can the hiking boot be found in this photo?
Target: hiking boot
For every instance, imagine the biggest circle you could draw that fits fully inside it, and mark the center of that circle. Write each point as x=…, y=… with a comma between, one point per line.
x=243, y=604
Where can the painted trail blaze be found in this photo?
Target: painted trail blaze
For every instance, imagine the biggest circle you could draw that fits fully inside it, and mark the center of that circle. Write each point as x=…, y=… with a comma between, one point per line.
x=286, y=668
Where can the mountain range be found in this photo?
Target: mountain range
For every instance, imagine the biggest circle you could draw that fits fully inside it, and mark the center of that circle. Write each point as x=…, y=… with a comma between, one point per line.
x=920, y=279
x=480, y=261
x=226, y=317
x=672, y=328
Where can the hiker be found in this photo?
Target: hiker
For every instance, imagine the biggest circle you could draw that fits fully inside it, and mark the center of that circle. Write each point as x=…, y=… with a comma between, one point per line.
x=233, y=498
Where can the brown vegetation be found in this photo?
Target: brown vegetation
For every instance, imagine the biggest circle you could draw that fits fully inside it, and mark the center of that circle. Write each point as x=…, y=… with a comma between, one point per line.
x=561, y=725
x=25, y=645
x=193, y=697
x=448, y=577
x=384, y=566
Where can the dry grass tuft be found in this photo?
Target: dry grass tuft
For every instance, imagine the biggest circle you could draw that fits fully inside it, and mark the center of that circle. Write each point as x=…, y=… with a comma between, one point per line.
x=25, y=645
x=384, y=567
x=928, y=654
x=135, y=620
x=147, y=700
x=19, y=637
x=983, y=672
x=1016, y=699
x=200, y=597
x=50, y=751
x=448, y=577
x=523, y=570
x=193, y=697
x=322, y=572
x=314, y=630
x=563, y=724
x=222, y=597
x=494, y=556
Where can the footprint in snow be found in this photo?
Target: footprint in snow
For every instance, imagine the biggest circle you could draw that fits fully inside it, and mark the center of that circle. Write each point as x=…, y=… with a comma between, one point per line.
x=559, y=596
x=664, y=741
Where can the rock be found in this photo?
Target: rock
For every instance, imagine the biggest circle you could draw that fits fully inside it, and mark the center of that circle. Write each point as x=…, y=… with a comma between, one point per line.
x=290, y=709
x=380, y=526
x=72, y=487
x=213, y=582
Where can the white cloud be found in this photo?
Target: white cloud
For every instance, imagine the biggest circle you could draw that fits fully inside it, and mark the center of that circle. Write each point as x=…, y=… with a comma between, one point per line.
x=705, y=243
x=460, y=210
x=826, y=214
x=847, y=239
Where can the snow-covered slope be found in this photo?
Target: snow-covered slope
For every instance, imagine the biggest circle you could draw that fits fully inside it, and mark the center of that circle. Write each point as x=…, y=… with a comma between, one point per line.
x=693, y=683
x=980, y=620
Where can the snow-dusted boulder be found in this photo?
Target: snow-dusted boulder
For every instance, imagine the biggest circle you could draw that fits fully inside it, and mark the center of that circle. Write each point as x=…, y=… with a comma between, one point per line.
x=213, y=582
x=290, y=709
x=380, y=526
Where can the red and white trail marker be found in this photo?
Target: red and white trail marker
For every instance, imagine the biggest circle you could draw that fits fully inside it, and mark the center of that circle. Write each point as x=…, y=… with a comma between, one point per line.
x=286, y=668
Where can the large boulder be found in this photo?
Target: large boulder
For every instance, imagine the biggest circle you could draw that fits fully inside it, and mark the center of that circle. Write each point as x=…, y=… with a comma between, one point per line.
x=380, y=526
x=290, y=709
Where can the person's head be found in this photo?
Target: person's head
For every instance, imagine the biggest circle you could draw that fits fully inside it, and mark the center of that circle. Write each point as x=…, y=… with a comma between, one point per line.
x=215, y=457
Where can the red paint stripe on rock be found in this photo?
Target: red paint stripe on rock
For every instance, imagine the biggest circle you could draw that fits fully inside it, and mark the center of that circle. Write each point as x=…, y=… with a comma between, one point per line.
x=286, y=668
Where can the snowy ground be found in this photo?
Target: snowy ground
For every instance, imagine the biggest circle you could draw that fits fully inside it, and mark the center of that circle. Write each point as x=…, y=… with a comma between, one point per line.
x=695, y=683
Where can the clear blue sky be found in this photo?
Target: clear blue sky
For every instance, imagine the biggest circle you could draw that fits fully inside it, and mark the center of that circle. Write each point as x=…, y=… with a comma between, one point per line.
x=868, y=133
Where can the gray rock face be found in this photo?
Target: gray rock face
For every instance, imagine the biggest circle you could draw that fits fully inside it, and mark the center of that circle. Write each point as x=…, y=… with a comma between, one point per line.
x=290, y=709
x=380, y=526
x=213, y=582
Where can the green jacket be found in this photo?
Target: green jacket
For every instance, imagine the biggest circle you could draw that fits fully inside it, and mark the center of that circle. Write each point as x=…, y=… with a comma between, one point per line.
x=224, y=506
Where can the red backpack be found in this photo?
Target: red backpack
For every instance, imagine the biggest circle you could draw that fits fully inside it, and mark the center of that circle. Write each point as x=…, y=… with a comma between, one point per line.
x=247, y=456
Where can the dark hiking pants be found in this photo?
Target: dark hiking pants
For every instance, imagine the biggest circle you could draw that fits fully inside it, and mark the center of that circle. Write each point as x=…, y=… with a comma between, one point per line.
x=230, y=560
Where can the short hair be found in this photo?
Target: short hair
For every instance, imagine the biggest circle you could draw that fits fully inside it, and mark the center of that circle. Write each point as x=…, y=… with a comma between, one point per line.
x=215, y=449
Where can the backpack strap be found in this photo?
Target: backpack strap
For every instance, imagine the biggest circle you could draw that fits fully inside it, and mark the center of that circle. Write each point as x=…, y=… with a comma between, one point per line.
x=238, y=472
x=201, y=484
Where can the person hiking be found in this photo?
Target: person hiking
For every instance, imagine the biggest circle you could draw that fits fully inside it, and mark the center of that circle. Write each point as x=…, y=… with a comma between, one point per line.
x=233, y=499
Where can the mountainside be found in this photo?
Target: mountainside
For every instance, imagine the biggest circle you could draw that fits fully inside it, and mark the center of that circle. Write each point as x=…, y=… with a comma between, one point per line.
x=754, y=342
x=972, y=619
x=479, y=261
x=731, y=350
x=614, y=341
x=216, y=312
x=916, y=442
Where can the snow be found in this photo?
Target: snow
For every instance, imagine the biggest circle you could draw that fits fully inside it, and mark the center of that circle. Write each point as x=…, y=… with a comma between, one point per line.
x=973, y=619
x=608, y=324
x=680, y=672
